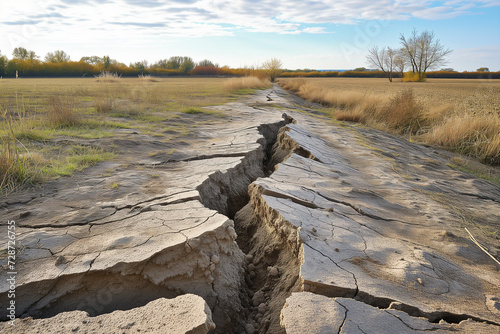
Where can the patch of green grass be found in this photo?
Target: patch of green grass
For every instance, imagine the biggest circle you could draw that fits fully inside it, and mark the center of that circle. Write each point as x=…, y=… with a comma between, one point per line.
x=193, y=111
x=481, y=174
x=106, y=124
x=243, y=91
x=77, y=159
x=35, y=135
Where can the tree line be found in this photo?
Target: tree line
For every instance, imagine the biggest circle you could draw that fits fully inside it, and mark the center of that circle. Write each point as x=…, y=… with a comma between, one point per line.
x=419, y=53
x=26, y=63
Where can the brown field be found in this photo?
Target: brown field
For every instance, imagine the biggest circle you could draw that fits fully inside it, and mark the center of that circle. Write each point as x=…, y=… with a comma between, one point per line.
x=458, y=114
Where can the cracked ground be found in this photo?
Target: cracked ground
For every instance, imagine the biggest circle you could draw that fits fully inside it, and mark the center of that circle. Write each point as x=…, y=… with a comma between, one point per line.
x=305, y=227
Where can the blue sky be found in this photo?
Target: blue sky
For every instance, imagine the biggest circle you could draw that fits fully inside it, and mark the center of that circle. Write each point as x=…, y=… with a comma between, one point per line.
x=317, y=34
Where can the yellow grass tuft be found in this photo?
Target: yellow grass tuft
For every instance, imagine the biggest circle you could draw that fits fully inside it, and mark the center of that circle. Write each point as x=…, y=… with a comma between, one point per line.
x=104, y=103
x=403, y=113
x=108, y=77
x=61, y=110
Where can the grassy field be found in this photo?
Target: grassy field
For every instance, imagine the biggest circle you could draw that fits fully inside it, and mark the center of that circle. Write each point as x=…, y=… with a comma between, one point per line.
x=458, y=114
x=52, y=127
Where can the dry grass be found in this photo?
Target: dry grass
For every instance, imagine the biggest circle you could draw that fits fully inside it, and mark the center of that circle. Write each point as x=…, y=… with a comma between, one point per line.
x=108, y=77
x=402, y=113
x=15, y=169
x=148, y=78
x=473, y=135
x=84, y=110
x=104, y=103
x=458, y=114
x=246, y=82
x=61, y=110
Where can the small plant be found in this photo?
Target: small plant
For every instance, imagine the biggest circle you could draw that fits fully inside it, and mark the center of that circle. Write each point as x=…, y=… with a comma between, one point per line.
x=61, y=111
x=104, y=103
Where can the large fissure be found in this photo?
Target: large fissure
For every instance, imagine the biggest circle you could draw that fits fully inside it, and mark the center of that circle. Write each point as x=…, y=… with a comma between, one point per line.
x=263, y=273
x=128, y=285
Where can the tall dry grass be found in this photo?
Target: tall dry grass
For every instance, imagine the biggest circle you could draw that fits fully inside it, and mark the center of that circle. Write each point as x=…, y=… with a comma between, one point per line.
x=104, y=103
x=470, y=134
x=475, y=133
x=61, y=110
x=402, y=113
x=247, y=82
x=108, y=77
x=15, y=168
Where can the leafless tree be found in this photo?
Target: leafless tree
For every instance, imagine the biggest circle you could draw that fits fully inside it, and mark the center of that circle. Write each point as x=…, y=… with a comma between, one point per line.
x=400, y=63
x=383, y=59
x=423, y=51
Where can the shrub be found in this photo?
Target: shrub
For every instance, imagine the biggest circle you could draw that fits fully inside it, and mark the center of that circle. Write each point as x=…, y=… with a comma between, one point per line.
x=412, y=77
x=403, y=113
x=104, y=103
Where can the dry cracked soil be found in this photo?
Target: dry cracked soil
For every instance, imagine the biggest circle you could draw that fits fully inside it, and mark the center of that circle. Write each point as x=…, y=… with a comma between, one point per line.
x=272, y=219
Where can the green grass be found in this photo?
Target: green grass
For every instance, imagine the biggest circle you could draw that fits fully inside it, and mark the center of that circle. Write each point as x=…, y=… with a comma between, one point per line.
x=486, y=175
x=77, y=159
x=244, y=91
x=194, y=111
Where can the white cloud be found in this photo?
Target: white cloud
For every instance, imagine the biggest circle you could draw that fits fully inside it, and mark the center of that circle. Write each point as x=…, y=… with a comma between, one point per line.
x=314, y=30
x=218, y=16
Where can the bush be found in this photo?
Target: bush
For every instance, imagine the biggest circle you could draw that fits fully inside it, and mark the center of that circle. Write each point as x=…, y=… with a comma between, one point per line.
x=104, y=103
x=412, y=77
x=403, y=113
x=61, y=111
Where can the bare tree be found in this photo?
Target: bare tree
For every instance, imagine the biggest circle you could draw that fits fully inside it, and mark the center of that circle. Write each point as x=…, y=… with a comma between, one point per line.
x=383, y=59
x=273, y=68
x=423, y=52
x=400, y=63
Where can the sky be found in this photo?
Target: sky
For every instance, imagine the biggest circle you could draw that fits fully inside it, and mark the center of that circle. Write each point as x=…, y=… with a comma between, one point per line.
x=315, y=34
